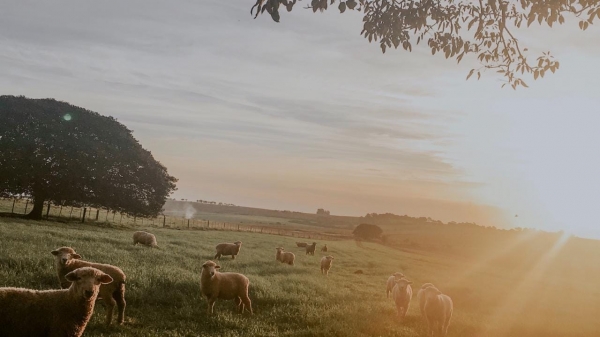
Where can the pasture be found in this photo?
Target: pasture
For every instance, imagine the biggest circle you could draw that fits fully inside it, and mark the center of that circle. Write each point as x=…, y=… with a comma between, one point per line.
x=513, y=291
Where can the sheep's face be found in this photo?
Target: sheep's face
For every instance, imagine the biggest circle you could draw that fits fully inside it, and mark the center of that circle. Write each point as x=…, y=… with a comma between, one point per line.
x=398, y=275
x=63, y=255
x=86, y=281
x=330, y=258
x=402, y=283
x=210, y=268
x=239, y=243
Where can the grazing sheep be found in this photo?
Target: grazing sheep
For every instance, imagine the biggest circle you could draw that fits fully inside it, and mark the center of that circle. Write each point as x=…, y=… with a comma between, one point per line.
x=310, y=249
x=66, y=260
x=359, y=271
x=301, y=244
x=326, y=264
x=52, y=313
x=145, y=238
x=285, y=257
x=391, y=282
x=421, y=297
x=232, y=249
x=402, y=294
x=438, y=311
x=226, y=286
x=324, y=249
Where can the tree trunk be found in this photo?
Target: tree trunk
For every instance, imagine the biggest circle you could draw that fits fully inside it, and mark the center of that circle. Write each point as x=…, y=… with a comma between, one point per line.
x=38, y=209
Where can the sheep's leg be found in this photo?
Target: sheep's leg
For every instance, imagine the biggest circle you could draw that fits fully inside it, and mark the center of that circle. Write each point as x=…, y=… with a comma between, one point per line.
x=247, y=303
x=218, y=256
x=110, y=305
x=119, y=296
x=211, y=305
x=233, y=257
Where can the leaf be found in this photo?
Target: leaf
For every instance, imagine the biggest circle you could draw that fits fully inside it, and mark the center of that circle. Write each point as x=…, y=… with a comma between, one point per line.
x=470, y=73
x=536, y=74
x=342, y=7
x=478, y=75
x=524, y=84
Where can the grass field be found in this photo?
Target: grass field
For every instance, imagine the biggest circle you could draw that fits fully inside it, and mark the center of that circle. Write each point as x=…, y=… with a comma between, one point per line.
x=542, y=292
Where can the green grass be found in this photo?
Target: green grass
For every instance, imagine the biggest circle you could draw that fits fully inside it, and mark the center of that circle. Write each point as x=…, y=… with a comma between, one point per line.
x=163, y=293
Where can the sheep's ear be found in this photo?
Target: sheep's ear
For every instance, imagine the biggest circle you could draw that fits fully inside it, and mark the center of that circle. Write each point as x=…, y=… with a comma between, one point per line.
x=54, y=252
x=105, y=279
x=217, y=266
x=72, y=277
x=76, y=256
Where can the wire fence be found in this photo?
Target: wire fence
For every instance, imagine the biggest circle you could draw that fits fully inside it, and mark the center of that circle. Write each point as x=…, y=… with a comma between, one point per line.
x=69, y=214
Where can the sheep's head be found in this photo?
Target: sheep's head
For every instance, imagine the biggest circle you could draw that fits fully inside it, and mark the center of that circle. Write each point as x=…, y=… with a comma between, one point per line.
x=398, y=274
x=64, y=254
x=402, y=283
x=431, y=291
x=329, y=257
x=279, y=249
x=86, y=281
x=210, y=268
x=238, y=243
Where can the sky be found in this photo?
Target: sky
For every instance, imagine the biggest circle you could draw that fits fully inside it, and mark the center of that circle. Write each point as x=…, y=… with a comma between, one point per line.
x=306, y=114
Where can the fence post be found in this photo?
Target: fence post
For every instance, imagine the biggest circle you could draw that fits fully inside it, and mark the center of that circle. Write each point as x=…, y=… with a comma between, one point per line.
x=208, y=223
x=71, y=214
x=83, y=218
x=107, y=211
x=48, y=210
x=121, y=219
x=188, y=223
x=13, y=208
x=60, y=211
x=97, y=214
x=164, y=220
x=26, y=204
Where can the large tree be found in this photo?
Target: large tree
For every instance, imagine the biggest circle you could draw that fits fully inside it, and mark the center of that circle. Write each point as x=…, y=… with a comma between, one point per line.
x=57, y=152
x=456, y=28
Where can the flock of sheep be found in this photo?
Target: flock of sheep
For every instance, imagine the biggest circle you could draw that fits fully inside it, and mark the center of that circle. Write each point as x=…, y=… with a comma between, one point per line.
x=65, y=312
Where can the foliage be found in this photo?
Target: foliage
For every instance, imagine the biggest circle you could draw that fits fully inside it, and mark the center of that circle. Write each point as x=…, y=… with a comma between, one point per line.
x=58, y=152
x=367, y=231
x=322, y=211
x=456, y=28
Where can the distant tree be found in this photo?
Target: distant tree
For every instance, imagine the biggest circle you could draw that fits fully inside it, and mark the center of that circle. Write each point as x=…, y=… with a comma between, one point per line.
x=455, y=28
x=57, y=152
x=322, y=211
x=367, y=231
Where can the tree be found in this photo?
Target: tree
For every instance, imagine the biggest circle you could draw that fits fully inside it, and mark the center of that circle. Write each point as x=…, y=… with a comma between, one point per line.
x=367, y=231
x=57, y=152
x=456, y=28
x=322, y=211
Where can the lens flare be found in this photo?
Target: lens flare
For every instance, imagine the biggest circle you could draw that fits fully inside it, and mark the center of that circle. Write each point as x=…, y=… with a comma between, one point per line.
x=67, y=117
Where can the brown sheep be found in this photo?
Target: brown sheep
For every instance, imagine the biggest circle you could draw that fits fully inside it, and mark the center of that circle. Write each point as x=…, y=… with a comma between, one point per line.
x=437, y=311
x=324, y=249
x=66, y=260
x=285, y=257
x=326, y=262
x=301, y=244
x=232, y=249
x=52, y=313
x=421, y=297
x=311, y=249
x=226, y=286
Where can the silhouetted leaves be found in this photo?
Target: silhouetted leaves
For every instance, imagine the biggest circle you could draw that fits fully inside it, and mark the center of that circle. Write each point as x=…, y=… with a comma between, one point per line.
x=456, y=28
x=55, y=151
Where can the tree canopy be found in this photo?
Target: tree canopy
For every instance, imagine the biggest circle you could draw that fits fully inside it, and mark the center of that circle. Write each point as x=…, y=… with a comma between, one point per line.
x=57, y=152
x=367, y=231
x=456, y=28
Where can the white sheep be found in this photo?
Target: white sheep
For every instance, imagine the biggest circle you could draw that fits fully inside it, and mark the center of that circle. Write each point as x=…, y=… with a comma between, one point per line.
x=391, y=282
x=145, y=238
x=66, y=260
x=326, y=262
x=52, y=313
x=402, y=294
x=438, y=311
x=232, y=249
x=285, y=257
x=421, y=297
x=226, y=286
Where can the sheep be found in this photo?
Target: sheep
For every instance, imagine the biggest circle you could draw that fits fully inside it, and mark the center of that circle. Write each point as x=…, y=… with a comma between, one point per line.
x=52, y=313
x=301, y=244
x=232, y=249
x=226, y=286
x=421, y=297
x=326, y=262
x=285, y=257
x=66, y=260
x=310, y=249
x=324, y=249
x=145, y=238
x=438, y=311
x=402, y=294
x=391, y=282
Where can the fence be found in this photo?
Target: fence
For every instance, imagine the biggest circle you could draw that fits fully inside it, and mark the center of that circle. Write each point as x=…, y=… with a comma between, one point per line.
x=103, y=216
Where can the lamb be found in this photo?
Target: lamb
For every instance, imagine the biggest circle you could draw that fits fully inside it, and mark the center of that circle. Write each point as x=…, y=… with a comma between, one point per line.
x=402, y=294
x=285, y=257
x=438, y=311
x=301, y=244
x=52, y=313
x=310, y=249
x=326, y=262
x=226, y=286
x=232, y=249
x=391, y=282
x=145, y=238
x=324, y=249
x=66, y=260
x=421, y=297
